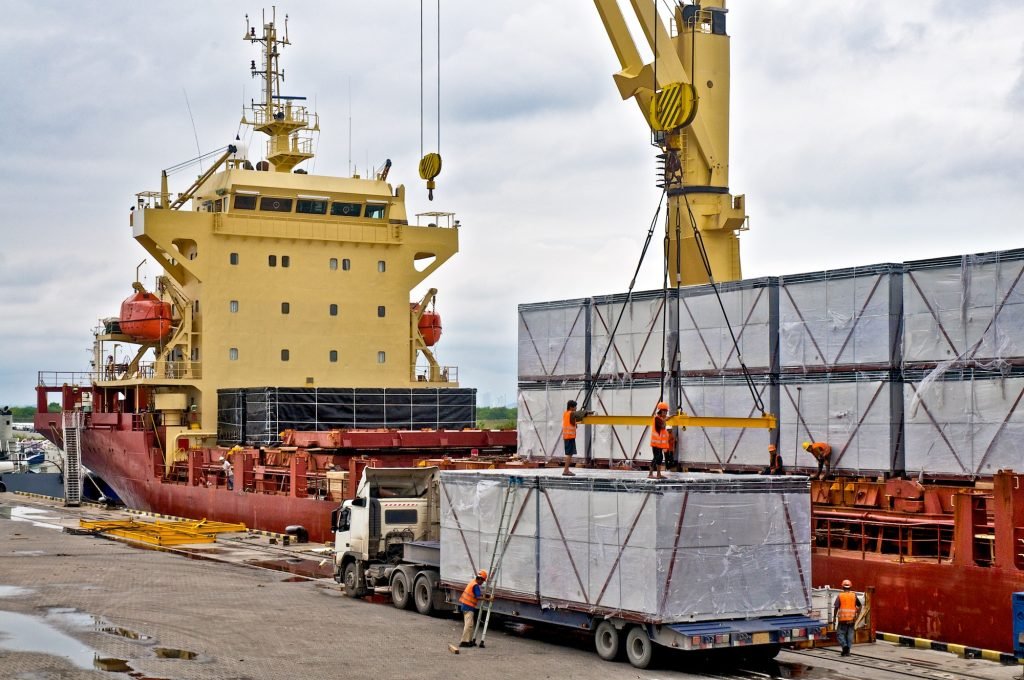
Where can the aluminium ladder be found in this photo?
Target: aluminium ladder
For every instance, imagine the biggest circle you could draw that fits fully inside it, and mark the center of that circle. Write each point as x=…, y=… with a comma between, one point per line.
x=508, y=505
x=72, y=421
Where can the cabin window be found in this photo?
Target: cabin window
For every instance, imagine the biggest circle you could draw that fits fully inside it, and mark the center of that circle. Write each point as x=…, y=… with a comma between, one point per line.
x=195, y=354
x=346, y=209
x=276, y=204
x=334, y=264
x=272, y=260
x=286, y=308
x=381, y=311
x=286, y=261
x=195, y=306
x=334, y=356
x=233, y=306
x=382, y=266
x=233, y=354
x=245, y=203
x=346, y=264
x=400, y=516
x=334, y=310
x=311, y=207
x=380, y=357
x=218, y=205
x=284, y=355
x=233, y=258
x=375, y=211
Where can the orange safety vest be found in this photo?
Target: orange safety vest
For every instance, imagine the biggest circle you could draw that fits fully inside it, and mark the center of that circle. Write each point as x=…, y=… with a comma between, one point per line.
x=660, y=440
x=821, y=450
x=847, y=606
x=568, y=426
x=468, y=598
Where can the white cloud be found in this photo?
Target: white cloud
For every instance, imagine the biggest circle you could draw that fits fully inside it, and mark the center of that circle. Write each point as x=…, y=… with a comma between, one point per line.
x=858, y=137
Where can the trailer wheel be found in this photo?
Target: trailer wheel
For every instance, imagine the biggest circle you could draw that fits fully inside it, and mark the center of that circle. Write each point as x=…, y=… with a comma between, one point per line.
x=639, y=648
x=351, y=580
x=423, y=594
x=607, y=641
x=764, y=652
x=401, y=597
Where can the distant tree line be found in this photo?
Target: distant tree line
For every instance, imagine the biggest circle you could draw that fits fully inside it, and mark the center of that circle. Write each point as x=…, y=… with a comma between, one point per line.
x=27, y=412
x=500, y=417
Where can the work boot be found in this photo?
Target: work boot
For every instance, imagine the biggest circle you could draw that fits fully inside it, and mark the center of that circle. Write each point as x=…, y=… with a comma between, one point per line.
x=466, y=644
x=567, y=473
x=472, y=643
x=846, y=651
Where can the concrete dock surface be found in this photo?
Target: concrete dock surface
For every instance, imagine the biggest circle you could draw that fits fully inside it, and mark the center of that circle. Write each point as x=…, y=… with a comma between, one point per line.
x=79, y=606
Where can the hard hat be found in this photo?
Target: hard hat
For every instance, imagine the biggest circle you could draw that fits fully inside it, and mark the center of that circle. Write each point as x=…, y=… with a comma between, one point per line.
x=221, y=458
x=847, y=584
x=806, y=445
x=771, y=448
x=482, y=574
x=662, y=406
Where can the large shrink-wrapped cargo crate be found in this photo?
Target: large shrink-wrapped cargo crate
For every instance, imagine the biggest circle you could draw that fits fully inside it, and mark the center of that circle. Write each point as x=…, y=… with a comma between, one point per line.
x=694, y=547
x=840, y=318
x=963, y=423
x=730, y=448
x=639, y=342
x=751, y=307
x=968, y=308
x=553, y=340
x=857, y=414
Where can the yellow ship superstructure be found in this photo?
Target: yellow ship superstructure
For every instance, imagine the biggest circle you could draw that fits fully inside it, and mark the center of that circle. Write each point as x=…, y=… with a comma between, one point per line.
x=279, y=277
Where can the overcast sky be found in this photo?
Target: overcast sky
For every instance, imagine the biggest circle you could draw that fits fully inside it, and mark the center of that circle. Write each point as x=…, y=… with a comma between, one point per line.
x=861, y=133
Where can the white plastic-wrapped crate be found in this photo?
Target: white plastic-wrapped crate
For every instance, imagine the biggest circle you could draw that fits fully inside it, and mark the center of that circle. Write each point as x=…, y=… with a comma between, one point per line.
x=552, y=340
x=694, y=547
x=852, y=412
x=963, y=423
x=639, y=340
x=968, y=308
x=842, y=317
x=751, y=306
x=718, y=447
x=539, y=418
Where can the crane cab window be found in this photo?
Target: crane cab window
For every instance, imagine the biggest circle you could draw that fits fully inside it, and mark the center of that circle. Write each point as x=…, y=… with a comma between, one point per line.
x=311, y=207
x=375, y=211
x=276, y=204
x=245, y=202
x=346, y=209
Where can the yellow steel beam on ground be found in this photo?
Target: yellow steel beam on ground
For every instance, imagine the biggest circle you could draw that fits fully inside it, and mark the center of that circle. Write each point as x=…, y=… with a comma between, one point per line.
x=767, y=422
x=162, y=533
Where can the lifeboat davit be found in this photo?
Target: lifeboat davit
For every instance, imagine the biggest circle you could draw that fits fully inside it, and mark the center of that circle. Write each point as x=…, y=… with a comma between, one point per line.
x=145, y=317
x=430, y=328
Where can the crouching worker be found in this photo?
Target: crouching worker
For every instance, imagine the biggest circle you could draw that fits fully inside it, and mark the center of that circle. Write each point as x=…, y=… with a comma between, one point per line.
x=468, y=602
x=775, y=466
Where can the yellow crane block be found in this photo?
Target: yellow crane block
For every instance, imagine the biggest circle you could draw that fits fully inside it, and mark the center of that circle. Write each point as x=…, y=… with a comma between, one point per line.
x=766, y=422
x=161, y=533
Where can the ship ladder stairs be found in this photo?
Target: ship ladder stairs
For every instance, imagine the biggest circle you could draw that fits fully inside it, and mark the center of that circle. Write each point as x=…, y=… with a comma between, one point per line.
x=505, y=528
x=72, y=421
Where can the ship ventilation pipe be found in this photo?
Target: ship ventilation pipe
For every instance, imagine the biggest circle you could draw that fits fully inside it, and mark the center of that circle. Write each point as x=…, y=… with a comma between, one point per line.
x=298, y=532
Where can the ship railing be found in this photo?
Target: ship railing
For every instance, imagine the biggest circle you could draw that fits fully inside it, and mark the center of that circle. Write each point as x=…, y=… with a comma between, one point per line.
x=289, y=114
x=292, y=144
x=916, y=540
x=168, y=370
x=447, y=374
x=60, y=378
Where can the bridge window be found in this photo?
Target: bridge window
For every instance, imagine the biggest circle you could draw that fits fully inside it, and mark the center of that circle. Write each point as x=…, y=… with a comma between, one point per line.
x=380, y=357
x=285, y=260
x=233, y=354
x=276, y=204
x=233, y=306
x=381, y=311
x=346, y=264
x=334, y=310
x=334, y=356
x=284, y=355
x=334, y=264
x=272, y=260
x=382, y=266
x=245, y=202
x=286, y=308
x=346, y=209
x=233, y=258
x=311, y=207
x=375, y=211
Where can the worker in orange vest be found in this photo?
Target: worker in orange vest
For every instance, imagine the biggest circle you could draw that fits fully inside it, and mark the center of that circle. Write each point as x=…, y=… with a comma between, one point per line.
x=822, y=452
x=775, y=466
x=468, y=601
x=569, y=420
x=846, y=611
x=661, y=440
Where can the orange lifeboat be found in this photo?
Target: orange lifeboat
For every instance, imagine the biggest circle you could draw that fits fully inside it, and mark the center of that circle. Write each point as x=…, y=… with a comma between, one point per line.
x=430, y=328
x=145, y=317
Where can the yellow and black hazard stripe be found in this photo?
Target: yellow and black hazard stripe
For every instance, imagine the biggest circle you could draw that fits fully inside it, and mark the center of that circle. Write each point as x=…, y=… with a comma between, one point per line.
x=960, y=650
x=674, y=106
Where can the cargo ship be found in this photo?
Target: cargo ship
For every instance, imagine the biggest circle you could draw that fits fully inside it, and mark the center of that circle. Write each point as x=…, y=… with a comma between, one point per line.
x=913, y=372
x=278, y=350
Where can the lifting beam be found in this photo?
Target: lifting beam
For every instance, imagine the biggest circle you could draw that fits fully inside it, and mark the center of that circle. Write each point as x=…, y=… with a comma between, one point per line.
x=766, y=422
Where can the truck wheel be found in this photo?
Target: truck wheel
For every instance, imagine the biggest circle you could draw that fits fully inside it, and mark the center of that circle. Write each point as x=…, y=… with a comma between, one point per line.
x=351, y=580
x=423, y=594
x=607, y=641
x=764, y=652
x=639, y=648
x=401, y=597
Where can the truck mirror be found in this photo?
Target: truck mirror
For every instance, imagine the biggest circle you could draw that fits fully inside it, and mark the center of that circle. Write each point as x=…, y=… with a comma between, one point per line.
x=359, y=502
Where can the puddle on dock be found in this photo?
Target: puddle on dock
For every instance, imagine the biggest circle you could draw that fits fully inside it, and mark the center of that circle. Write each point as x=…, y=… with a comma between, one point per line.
x=126, y=633
x=23, y=633
x=35, y=516
x=170, y=653
x=14, y=591
x=300, y=567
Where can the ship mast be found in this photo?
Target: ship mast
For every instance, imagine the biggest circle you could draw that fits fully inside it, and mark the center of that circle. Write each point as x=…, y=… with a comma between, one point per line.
x=278, y=116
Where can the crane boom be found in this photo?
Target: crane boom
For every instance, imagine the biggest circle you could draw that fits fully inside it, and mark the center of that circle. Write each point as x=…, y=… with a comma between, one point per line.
x=696, y=156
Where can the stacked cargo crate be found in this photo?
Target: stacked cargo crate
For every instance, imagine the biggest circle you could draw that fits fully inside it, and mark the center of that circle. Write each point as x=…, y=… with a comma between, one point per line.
x=902, y=368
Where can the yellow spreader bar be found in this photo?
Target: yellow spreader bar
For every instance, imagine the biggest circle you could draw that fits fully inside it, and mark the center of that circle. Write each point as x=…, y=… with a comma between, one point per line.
x=766, y=422
x=162, y=533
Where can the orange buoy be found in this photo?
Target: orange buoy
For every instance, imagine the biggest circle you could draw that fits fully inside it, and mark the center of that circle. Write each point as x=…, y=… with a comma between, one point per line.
x=430, y=328
x=145, y=317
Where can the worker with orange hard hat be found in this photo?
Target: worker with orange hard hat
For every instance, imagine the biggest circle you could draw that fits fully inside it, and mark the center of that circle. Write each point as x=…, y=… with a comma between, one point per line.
x=661, y=440
x=775, y=466
x=468, y=602
x=846, y=612
x=570, y=418
x=822, y=452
